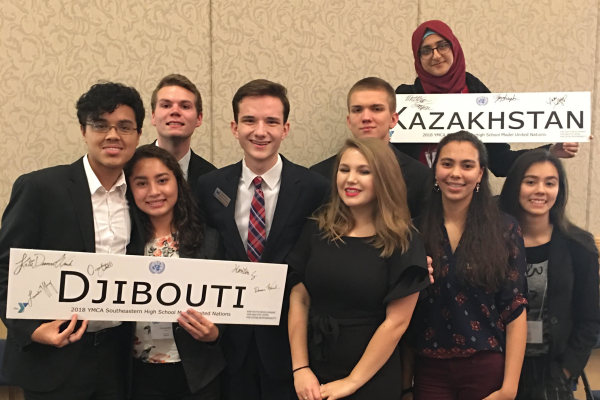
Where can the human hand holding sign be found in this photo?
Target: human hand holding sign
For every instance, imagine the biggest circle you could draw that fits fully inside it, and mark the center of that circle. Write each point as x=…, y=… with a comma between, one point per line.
x=49, y=333
x=198, y=326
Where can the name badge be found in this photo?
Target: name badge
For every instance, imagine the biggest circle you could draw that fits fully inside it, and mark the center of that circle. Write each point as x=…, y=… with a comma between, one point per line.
x=535, y=332
x=161, y=330
x=222, y=197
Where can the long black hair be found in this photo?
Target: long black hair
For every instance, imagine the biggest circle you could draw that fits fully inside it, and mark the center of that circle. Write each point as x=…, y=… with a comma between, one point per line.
x=509, y=197
x=187, y=223
x=485, y=245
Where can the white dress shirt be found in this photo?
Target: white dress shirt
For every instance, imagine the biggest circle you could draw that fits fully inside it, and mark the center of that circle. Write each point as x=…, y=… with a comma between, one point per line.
x=112, y=225
x=184, y=163
x=270, y=187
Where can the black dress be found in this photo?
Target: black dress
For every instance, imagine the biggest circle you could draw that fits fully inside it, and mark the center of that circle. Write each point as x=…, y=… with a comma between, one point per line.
x=349, y=286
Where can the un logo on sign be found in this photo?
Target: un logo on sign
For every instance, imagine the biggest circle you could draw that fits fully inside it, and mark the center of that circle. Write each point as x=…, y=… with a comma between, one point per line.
x=482, y=100
x=157, y=267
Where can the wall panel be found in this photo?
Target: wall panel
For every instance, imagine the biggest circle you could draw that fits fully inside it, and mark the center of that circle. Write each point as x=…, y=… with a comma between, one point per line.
x=317, y=49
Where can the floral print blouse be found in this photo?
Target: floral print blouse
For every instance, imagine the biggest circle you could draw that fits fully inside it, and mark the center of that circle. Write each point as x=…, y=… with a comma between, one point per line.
x=457, y=320
x=145, y=347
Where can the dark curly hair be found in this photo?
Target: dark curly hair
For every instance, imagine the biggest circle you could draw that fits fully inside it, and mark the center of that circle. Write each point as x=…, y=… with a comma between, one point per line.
x=187, y=223
x=105, y=97
x=485, y=245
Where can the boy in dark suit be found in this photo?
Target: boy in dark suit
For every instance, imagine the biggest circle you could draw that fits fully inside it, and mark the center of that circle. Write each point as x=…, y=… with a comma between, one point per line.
x=372, y=113
x=176, y=113
x=78, y=207
x=259, y=205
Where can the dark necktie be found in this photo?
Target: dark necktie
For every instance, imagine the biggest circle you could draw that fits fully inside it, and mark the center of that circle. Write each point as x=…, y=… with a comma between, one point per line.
x=257, y=234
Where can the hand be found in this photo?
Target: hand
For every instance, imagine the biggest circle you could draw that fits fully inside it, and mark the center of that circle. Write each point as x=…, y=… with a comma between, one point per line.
x=501, y=394
x=430, y=269
x=338, y=389
x=564, y=150
x=307, y=385
x=199, y=327
x=49, y=333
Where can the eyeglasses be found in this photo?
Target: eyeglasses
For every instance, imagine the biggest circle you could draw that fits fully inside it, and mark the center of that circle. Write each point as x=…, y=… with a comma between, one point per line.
x=427, y=52
x=122, y=129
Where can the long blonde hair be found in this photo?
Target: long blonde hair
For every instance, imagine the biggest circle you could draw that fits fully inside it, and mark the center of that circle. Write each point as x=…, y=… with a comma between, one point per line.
x=391, y=215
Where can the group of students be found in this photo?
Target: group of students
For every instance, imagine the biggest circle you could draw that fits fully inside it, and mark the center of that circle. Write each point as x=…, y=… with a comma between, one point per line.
x=360, y=319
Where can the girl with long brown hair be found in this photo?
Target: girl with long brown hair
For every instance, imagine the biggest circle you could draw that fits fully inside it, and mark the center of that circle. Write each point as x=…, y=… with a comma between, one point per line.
x=355, y=275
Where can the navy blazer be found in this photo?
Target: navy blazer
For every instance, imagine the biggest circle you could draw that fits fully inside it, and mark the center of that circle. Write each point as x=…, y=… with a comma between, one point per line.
x=300, y=194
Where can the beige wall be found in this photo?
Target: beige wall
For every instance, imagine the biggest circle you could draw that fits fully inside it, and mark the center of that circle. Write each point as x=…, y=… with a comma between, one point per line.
x=51, y=51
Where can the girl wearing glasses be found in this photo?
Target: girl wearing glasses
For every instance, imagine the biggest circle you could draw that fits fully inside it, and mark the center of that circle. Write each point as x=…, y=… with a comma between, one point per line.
x=440, y=67
x=562, y=273
x=172, y=360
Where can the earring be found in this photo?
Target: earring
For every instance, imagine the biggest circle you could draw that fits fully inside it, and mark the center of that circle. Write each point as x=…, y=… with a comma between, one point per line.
x=436, y=187
x=477, y=188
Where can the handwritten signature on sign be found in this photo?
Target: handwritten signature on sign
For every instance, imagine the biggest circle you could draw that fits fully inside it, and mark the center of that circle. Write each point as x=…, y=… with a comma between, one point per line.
x=39, y=260
x=557, y=101
x=244, y=271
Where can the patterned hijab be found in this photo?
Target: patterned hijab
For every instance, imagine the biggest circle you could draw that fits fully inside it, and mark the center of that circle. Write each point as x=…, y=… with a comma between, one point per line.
x=454, y=80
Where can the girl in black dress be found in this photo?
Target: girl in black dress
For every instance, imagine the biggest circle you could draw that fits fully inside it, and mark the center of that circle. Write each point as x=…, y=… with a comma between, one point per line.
x=355, y=275
x=470, y=330
x=562, y=273
x=184, y=362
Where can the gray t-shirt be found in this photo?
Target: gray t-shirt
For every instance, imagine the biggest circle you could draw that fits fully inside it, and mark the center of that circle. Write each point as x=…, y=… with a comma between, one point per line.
x=537, y=280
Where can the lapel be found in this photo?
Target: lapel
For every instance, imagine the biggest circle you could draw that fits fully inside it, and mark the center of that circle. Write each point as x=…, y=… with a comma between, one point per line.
x=81, y=199
x=229, y=186
x=400, y=156
x=193, y=176
x=289, y=192
x=559, y=265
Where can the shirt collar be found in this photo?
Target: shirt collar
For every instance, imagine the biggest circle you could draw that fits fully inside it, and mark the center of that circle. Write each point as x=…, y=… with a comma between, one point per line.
x=271, y=178
x=184, y=163
x=94, y=182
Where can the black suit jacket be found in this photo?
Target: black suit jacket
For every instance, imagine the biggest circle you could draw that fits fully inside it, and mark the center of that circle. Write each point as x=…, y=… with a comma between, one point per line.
x=573, y=309
x=201, y=361
x=300, y=194
x=50, y=209
x=198, y=167
x=415, y=174
x=501, y=157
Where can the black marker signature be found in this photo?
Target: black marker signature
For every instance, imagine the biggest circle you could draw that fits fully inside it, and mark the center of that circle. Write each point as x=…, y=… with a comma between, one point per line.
x=244, y=271
x=499, y=98
x=270, y=286
x=100, y=270
x=43, y=288
x=39, y=260
x=557, y=101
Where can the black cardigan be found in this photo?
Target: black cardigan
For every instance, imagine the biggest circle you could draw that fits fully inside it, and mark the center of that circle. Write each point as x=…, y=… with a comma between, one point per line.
x=501, y=157
x=201, y=361
x=573, y=300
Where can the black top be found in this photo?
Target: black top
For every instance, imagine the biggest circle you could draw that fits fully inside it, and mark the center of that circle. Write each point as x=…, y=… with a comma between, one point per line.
x=415, y=174
x=457, y=319
x=350, y=285
x=501, y=157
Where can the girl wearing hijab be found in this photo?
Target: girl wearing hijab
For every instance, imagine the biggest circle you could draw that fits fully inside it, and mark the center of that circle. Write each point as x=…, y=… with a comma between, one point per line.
x=562, y=274
x=440, y=67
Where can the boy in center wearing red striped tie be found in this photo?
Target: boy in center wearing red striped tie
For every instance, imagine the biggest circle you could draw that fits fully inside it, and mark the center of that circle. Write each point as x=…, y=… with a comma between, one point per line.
x=259, y=206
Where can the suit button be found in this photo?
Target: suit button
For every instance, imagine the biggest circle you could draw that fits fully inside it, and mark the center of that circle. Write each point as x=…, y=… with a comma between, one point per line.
x=554, y=320
x=178, y=329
